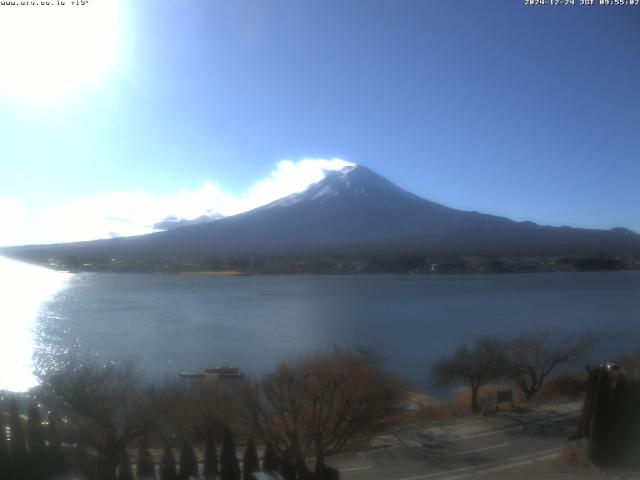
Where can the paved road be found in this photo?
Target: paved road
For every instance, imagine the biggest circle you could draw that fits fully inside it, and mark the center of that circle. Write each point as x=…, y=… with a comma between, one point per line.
x=503, y=446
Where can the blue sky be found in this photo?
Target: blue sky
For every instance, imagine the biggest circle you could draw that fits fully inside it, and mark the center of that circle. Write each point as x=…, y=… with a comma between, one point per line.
x=185, y=106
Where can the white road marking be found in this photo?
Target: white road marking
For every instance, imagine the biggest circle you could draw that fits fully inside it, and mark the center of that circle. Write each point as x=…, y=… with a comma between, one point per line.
x=475, y=450
x=398, y=447
x=484, y=434
x=504, y=464
x=354, y=469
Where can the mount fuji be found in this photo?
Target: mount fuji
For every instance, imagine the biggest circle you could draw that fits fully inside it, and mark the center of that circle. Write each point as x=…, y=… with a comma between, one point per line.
x=353, y=211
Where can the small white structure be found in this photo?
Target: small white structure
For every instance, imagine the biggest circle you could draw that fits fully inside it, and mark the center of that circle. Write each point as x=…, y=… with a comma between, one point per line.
x=212, y=379
x=266, y=476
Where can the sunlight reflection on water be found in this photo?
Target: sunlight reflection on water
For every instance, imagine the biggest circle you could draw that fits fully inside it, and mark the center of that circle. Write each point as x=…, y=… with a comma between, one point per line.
x=24, y=291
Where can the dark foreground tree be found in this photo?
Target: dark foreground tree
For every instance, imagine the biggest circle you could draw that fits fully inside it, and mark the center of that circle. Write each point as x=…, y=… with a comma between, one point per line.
x=56, y=460
x=125, y=472
x=109, y=406
x=531, y=357
x=19, y=453
x=318, y=405
x=288, y=467
x=168, y=465
x=270, y=461
x=188, y=462
x=38, y=468
x=145, y=469
x=472, y=366
x=250, y=461
x=84, y=465
x=229, y=467
x=6, y=469
x=210, y=456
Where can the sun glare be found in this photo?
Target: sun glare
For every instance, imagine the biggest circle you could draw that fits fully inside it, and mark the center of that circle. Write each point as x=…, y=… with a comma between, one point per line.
x=24, y=289
x=51, y=48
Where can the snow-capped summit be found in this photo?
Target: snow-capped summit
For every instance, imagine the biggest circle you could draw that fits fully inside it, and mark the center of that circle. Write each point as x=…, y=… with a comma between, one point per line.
x=348, y=184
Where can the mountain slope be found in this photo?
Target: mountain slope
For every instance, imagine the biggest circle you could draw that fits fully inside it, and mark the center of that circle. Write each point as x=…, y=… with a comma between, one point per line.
x=353, y=211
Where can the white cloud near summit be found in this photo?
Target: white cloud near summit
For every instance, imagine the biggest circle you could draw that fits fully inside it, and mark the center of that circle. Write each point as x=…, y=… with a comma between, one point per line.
x=288, y=177
x=135, y=213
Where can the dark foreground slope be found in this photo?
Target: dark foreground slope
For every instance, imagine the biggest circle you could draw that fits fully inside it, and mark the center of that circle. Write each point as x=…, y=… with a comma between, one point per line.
x=350, y=212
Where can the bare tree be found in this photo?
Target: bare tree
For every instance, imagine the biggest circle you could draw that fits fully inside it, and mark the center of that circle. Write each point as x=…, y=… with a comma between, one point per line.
x=531, y=357
x=319, y=404
x=471, y=365
x=109, y=406
x=199, y=413
x=630, y=363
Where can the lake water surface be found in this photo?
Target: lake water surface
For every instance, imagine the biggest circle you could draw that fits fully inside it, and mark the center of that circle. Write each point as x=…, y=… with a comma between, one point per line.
x=172, y=323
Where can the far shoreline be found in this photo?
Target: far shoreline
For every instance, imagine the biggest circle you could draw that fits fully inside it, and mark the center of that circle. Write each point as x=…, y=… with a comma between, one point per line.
x=213, y=273
x=408, y=264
